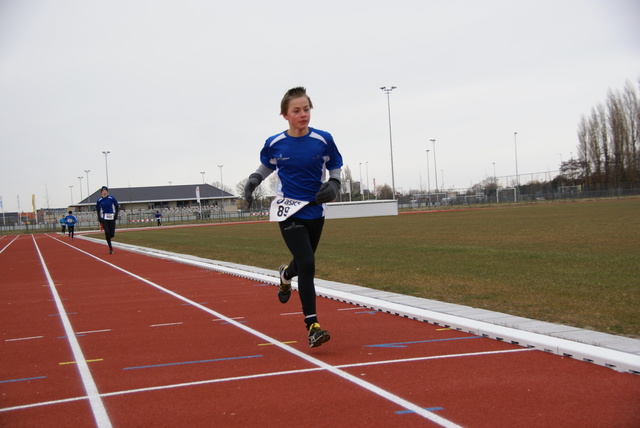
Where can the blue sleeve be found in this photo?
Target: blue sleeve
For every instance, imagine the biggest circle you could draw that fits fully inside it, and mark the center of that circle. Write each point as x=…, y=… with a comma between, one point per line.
x=265, y=153
x=335, y=158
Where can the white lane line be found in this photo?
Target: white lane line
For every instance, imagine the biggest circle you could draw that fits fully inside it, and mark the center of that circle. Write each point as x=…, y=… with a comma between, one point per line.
x=7, y=246
x=349, y=377
x=23, y=338
x=166, y=324
x=261, y=375
x=97, y=406
x=94, y=331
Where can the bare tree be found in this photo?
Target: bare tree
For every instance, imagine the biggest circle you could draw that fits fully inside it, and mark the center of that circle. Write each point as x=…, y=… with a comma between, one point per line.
x=608, y=141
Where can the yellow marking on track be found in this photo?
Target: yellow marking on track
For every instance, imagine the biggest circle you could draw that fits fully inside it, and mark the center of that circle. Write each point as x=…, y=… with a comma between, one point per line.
x=88, y=361
x=442, y=329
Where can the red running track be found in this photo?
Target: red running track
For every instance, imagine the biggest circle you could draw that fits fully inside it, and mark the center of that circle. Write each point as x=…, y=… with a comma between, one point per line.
x=127, y=340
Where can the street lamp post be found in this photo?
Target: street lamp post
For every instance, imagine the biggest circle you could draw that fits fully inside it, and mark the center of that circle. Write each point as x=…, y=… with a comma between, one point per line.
x=106, y=166
x=87, y=171
x=393, y=179
x=71, y=190
x=515, y=142
x=202, y=172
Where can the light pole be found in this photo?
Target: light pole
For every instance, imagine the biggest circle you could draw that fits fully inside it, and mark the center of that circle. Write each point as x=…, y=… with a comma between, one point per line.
x=361, y=192
x=87, y=171
x=367, y=186
x=71, y=190
x=515, y=142
x=495, y=181
x=221, y=185
x=202, y=172
x=435, y=164
x=393, y=179
x=428, y=182
x=80, y=178
x=106, y=166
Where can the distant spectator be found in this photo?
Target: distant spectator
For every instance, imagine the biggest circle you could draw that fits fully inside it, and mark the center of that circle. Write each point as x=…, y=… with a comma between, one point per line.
x=159, y=218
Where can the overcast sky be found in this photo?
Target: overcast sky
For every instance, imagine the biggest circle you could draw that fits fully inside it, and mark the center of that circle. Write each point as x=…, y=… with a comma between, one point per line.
x=173, y=88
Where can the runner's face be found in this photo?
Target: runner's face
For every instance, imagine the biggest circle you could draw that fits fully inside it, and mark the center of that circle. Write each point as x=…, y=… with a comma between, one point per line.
x=298, y=114
x=104, y=193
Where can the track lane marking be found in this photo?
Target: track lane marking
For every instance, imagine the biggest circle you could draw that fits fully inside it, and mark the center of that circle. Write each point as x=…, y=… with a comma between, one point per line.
x=23, y=338
x=260, y=375
x=312, y=360
x=97, y=406
x=7, y=246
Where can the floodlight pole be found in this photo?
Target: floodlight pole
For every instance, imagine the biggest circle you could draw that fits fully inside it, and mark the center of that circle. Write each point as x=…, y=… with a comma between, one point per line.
x=87, y=171
x=393, y=180
x=106, y=165
x=428, y=182
x=515, y=142
x=435, y=165
x=221, y=185
x=80, y=178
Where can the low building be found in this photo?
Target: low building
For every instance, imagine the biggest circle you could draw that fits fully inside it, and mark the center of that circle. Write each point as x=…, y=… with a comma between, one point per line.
x=163, y=197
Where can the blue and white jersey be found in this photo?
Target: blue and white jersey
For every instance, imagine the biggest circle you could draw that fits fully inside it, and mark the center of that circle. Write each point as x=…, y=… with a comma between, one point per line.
x=107, y=207
x=301, y=164
x=70, y=220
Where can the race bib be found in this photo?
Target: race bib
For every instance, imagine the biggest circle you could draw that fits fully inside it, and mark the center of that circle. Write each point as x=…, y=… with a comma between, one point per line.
x=109, y=216
x=282, y=208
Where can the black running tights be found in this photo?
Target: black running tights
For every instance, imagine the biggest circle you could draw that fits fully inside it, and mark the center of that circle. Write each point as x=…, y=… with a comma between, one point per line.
x=302, y=237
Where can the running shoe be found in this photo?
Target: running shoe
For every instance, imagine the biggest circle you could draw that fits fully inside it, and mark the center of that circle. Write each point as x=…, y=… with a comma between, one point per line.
x=317, y=336
x=284, y=291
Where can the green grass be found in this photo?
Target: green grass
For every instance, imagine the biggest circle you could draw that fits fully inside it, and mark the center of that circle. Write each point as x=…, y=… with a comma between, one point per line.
x=570, y=263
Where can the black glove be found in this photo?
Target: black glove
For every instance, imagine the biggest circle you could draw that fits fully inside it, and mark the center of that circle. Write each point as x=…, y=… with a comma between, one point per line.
x=254, y=181
x=328, y=191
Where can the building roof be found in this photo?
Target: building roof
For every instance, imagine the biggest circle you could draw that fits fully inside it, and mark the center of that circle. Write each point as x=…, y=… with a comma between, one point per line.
x=186, y=192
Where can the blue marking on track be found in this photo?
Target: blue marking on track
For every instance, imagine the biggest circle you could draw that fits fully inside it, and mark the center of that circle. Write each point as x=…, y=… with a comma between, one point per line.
x=192, y=362
x=428, y=409
x=263, y=285
x=22, y=380
x=367, y=312
x=404, y=344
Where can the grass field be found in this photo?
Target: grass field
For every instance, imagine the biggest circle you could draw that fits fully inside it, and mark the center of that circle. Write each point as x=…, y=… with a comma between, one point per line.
x=574, y=263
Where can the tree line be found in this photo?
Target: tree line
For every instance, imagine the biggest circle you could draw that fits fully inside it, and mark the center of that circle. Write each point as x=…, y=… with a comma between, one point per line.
x=608, y=141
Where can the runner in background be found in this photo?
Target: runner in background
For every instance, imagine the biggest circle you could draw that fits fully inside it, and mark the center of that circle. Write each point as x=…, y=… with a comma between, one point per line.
x=107, y=210
x=71, y=221
x=300, y=156
x=63, y=224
